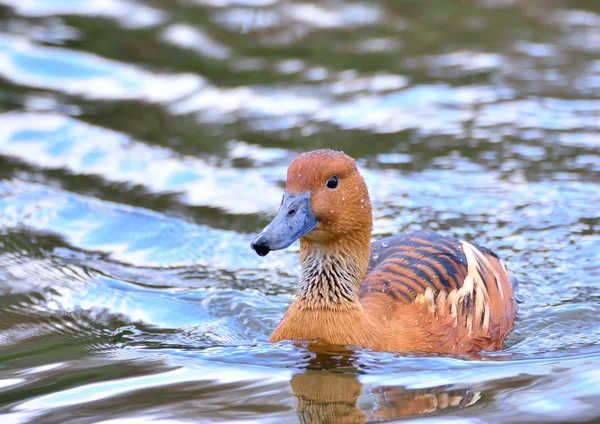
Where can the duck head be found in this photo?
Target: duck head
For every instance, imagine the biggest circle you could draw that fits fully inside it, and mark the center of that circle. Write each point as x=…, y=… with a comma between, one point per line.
x=325, y=202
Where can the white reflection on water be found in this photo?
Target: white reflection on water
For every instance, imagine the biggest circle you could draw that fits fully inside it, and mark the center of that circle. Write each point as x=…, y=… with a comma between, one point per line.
x=344, y=15
x=300, y=17
x=94, y=392
x=380, y=103
x=129, y=13
x=229, y=3
x=536, y=49
x=582, y=28
x=192, y=38
x=55, y=141
x=88, y=75
x=464, y=61
x=154, y=240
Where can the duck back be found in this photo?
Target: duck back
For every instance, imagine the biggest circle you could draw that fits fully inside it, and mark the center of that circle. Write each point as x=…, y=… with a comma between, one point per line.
x=460, y=293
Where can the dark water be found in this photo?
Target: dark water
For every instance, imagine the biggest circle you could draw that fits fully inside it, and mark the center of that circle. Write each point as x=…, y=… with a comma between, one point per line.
x=142, y=144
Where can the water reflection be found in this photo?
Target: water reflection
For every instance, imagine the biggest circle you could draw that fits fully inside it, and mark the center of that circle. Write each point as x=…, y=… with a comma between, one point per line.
x=83, y=74
x=325, y=397
x=131, y=14
x=64, y=143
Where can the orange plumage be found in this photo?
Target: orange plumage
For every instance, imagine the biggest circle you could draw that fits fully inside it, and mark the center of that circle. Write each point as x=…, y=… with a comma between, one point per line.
x=413, y=292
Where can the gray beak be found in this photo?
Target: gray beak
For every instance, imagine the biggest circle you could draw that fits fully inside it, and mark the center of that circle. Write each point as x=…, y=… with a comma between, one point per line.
x=294, y=219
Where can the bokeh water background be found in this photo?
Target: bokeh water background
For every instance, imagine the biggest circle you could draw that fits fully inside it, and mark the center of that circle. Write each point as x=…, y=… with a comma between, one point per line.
x=143, y=144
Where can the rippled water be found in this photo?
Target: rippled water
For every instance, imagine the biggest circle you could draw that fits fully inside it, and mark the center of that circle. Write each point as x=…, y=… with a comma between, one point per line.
x=142, y=144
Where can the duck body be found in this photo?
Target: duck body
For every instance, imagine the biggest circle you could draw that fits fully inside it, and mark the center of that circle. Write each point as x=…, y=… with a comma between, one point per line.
x=419, y=291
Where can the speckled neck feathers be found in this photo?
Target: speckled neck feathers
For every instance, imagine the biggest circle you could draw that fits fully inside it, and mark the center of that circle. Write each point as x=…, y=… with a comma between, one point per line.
x=332, y=274
x=328, y=281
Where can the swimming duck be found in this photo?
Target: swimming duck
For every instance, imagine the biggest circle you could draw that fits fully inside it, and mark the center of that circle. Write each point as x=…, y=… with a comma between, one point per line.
x=419, y=291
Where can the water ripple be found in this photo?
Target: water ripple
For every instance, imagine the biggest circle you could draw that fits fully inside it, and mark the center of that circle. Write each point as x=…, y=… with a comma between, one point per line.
x=103, y=227
x=61, y=142
x=144, y=143
x=130, y=14
x=87, y=75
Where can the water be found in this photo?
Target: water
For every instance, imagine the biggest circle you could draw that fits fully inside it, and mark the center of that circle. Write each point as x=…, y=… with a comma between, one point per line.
x=143, y=144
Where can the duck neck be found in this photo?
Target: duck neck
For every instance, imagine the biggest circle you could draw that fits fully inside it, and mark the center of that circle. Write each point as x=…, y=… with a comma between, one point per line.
x=332, y=272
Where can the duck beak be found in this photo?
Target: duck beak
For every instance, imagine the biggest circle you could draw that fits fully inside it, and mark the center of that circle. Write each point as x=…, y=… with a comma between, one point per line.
x=294, y=219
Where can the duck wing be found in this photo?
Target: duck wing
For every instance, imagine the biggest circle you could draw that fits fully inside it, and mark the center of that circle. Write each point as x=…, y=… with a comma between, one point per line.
x=460, y=283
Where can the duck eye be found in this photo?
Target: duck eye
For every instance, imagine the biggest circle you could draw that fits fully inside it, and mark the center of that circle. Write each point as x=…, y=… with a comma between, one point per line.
x=332, y=182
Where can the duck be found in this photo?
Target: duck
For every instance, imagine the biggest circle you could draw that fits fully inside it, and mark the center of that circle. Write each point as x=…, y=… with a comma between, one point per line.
x=413, y=292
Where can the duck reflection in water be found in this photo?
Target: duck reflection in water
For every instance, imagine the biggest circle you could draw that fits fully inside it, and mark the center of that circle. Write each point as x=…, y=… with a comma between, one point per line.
x=324, y=396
